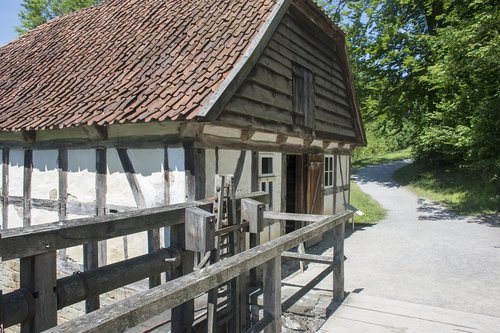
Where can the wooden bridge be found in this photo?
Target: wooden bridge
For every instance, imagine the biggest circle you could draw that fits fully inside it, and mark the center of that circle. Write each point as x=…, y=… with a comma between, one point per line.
x=195, y=234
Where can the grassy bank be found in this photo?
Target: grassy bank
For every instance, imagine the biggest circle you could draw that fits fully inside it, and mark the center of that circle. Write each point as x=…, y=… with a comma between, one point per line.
x=460, y=191
x=380, y=159
x=372, y=209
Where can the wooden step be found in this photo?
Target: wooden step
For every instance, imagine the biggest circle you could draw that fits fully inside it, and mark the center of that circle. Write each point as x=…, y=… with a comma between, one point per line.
x=364, y=313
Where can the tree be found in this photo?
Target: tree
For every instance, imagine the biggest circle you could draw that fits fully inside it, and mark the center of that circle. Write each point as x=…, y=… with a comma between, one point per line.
x=430, y=68
x=36, y=12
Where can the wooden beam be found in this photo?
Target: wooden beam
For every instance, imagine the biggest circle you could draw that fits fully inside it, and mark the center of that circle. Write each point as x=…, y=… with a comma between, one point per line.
x=142, y=306
x=5, y=187
x=28, y=172
x=96, y=132
x=101, y=188
x=29, y=136
x=272, y=294
x=36, y=239
x=62, y=170
x=338, y=262
x=38, y=275
x=308, y=257
x=247, y=134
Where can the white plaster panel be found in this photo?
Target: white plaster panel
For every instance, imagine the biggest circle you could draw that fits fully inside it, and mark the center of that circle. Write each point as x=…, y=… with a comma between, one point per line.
x=177, y=175
x=118, y=191
x=328, y=204
x=148, y=164
x=81, y=175
x=16, y=172
x=40, y=216
x=15, y=216
x=45, y=178
x=228, y=160
x=340, y=201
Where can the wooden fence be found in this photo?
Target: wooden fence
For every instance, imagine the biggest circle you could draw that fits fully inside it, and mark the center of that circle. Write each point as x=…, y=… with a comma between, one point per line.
x=41, y=294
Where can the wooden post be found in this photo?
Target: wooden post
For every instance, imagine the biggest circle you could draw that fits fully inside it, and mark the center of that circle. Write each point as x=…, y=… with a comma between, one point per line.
x=272, y=294
x=100, y=195
x=252, y=212
x=63, y=189
x=91, y=251
x=194, y=165
x=5, y=187
x=338, y=262
x=28, y=172
x=38, y=274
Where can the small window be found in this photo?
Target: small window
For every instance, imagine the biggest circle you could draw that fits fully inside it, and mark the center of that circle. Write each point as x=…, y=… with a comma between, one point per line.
x=303, y=97
x=328, y=171
x=266, y=165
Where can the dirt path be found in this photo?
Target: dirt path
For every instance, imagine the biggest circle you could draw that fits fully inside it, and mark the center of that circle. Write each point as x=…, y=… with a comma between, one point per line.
x=423, y=253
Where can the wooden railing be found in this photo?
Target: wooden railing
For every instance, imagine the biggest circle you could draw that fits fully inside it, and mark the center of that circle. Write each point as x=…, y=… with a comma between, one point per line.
x=35, y=304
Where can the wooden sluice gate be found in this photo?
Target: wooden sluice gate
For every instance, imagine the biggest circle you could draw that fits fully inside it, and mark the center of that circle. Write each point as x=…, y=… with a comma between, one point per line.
x=214, y=249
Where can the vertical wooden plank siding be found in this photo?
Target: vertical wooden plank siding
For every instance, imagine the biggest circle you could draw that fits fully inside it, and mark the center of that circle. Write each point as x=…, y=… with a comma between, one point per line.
x=101, y=187
x=272, y=294
x=27, y=281
x=5, y=187
x=254, y=167
x=338, y=262
x=62, y=161
x=28, y=172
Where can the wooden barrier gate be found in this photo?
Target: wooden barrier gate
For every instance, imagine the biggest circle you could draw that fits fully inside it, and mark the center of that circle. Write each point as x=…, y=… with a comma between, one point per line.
x=41, y=294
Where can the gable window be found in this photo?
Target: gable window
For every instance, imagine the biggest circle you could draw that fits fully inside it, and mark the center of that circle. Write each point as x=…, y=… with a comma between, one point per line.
x=328, y=171
x=303, y=96
x=266, y=165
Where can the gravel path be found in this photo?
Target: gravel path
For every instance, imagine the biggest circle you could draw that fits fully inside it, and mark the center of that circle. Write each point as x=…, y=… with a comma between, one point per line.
x=423, y=253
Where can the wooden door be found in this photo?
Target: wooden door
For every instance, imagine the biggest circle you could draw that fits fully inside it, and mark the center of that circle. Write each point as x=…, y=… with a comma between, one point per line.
x=315, y=173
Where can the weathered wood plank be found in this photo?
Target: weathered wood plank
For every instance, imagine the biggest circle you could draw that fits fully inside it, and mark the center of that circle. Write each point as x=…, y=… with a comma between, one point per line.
x=256, y=108
x=272, y=294
x=28, y=172
x=62, y=160
x=5, y=187
x=260, y=94
x=308, y=257
x=271, y=215
x=338, y=262
x=91, y=262
x=147, y=304
x=101, y=187
x=28, y=241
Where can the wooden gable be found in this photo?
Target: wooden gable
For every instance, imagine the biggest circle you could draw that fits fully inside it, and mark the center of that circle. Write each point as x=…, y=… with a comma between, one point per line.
x=300, y=85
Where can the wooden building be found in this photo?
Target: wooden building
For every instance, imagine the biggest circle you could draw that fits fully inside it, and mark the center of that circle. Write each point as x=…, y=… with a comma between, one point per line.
x=133, y=104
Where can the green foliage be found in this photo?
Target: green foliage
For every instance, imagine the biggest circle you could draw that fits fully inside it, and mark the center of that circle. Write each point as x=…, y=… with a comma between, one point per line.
x=373, y=211
x=380, y=158
x=427, y=73
x=457, y=188
x=36, y=12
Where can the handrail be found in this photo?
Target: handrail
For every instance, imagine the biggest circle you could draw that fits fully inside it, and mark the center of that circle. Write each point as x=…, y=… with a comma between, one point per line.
x=43, y=238
x=138, y=308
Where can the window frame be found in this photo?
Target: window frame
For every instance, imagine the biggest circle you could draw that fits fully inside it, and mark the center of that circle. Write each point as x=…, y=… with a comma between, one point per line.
x=329, y=173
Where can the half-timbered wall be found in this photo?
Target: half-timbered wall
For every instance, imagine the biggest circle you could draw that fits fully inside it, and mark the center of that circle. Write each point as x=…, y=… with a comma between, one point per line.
x=265, y=100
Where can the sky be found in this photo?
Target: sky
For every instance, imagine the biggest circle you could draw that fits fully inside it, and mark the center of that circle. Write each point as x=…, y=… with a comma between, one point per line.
x=8, y=19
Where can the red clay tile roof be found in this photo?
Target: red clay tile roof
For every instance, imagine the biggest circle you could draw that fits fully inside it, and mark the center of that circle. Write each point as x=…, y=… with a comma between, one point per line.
x=125, y=61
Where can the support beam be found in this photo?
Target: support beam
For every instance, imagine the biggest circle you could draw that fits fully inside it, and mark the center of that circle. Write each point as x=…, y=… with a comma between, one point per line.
x=338, y=262
x=101, y=188
x=38, y=274
x=28, y=172
x=5, y=187
x=62, y=161
x=272, y=294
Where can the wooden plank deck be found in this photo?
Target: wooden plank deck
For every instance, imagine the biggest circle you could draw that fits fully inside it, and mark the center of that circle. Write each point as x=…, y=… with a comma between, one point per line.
x=363, y=313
